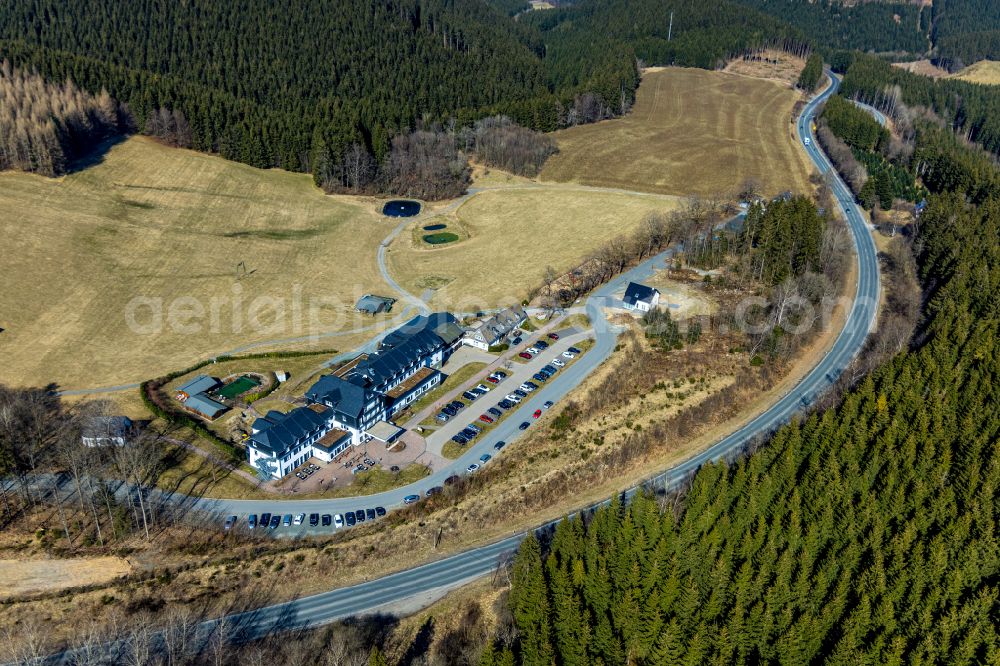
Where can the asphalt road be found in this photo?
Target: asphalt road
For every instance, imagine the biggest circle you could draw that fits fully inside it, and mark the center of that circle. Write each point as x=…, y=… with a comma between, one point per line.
x=455, y=570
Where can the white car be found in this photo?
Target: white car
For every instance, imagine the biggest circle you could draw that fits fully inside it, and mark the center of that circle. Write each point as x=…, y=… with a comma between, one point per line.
x=533, y=350
x=472, y=468
x=338, y=521
x=484, y=388
x=513, y=398
x=299, y=518
x=568, y=354
x=558, y=363
x=807, y=142
x=527, y=388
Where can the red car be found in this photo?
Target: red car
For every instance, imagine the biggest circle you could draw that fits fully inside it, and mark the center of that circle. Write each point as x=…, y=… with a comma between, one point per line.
x=538, y=413
x=486, y=418
x=525, y=355
x=493, y=380
x=553, y=336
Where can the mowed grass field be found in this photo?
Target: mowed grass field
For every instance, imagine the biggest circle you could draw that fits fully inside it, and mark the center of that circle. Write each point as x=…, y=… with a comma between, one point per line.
x=691, y=132
x=510, y=236
x=165, y=224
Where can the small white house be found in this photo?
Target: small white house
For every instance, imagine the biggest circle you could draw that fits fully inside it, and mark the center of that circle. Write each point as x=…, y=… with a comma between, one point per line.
x=640, y=297
x=493, y=331
x=106, y=431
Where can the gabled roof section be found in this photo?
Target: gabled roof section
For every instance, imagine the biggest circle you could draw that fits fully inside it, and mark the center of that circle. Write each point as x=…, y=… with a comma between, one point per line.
x=276, y=438
x=639, y=293
x=443, y=325
x=346, y=397
x=199, y=384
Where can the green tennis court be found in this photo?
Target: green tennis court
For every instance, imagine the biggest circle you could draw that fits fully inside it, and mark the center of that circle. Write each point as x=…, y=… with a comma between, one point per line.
x=241, y=385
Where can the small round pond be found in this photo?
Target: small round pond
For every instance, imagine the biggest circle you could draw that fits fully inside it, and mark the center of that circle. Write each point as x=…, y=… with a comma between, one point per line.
x=434, y=227
x=401, y=208
x=440, y=238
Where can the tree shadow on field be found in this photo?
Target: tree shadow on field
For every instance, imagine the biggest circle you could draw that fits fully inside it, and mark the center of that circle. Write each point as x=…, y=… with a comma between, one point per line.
x=96, y=155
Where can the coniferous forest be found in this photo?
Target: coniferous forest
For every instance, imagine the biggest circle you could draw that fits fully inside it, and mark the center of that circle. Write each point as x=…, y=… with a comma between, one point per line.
x=865, y=534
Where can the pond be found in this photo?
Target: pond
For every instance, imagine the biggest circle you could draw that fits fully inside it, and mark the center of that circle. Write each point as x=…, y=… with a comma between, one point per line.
x=441, y=238
x=435, y=227
x=401, y=208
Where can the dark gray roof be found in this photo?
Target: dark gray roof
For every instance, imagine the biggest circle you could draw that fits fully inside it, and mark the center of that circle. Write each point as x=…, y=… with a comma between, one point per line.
x=636, y=293
x=204, y=405
x=279, y=435
x=199, y=384
x=442, y=324
x=373, y=304
x=106, y=426
x=346, y=397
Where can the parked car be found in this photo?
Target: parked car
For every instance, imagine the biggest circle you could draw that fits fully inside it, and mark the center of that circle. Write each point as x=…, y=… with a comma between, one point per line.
x=370, y=514
x=499, y=445
x=486, y=418
x=275, y=521
x=380, y=511
x=326, y=520
x=551, y=369
x=230, y=521
x=313, y=519
x=458, y=439
x=359, y=515
x=483, y=387
x=525, y=355
x=492, y=380
x=338, y=521
x=287, y=520
x=505, y=404
x=531, y=351
x=519, y=393
x=528, y=387
x=457, y=404
x=485, y=458
x=558, y=362
x=433, y=491
x=500, y=374
x=548, y=403
x=472, y=468
x=265, y=520
x=542, y=344
x=252, y=521
x=516, y=341
x=474, y=428
x=553, y=336
x=443, y=418
x=495, y=412
x=513, y=398
x=451, y=479
x=410, y=499
x=349, y=519
x=569, y=354
x=539, y=377
x=537, y=413
x=524, y=425
x=470, y=396
x=574, y=350
x=299, y=518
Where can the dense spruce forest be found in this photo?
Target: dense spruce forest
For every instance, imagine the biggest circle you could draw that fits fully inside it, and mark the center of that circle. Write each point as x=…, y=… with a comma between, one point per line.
x=864, y=534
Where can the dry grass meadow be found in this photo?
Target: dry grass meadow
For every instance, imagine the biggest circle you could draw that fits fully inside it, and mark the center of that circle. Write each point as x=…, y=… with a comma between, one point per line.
x=986, y=72
x=510, y=236
x=691, y=132
x=164, y=223
x=32, y=576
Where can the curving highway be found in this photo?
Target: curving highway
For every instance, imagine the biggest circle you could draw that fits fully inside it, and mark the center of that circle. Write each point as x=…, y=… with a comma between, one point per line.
x=453, y=571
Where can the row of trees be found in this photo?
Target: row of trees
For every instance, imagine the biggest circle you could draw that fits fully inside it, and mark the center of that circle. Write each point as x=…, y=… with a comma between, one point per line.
x=45, y=126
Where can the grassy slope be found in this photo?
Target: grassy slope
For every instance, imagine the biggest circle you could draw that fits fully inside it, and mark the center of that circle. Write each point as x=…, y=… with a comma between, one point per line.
x=691, y=132
x=984, y=71
x=509, y=236
x=164, y=223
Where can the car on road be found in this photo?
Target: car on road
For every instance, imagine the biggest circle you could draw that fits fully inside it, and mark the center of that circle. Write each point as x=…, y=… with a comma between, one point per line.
x=558, y=362
x=433, y=491
x=338, y=521
x=252, y=521
x=548, y=403
x=327, y=519
x=569, y=354
x=537, y=413
x=524, y=425
x=410, y=499
x=485, y=458
x=299, y=518
x=230, y=521
x=499, y=445
x=275, y=521
x=486, y=418
x=807, y=141
x=380, y=511
x=472, y=468
x=313, y=519
x=359, y=515
x=370, y=514
x=525, y=355
x=287, y=520
x=553, y=336
x=349, y=519
x=484, y=388
x=265, y=520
